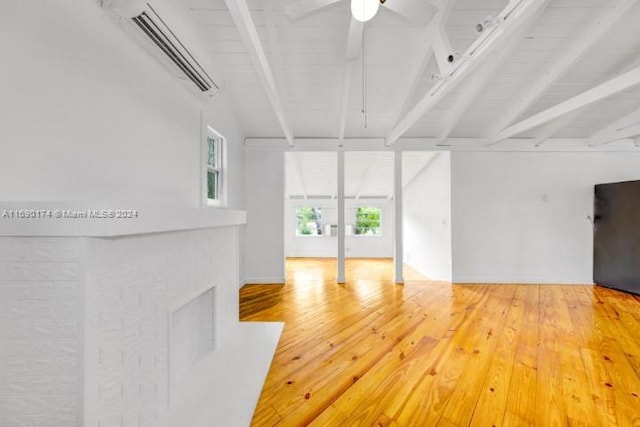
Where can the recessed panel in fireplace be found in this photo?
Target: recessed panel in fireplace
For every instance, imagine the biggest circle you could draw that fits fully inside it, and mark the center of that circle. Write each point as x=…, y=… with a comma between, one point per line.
x=192, y=333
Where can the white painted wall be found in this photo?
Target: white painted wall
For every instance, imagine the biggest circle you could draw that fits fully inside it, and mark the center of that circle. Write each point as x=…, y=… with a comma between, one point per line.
x=427, y=220
x=88, y=114
x=522, y=217
x=264, y=232
x=327, y=246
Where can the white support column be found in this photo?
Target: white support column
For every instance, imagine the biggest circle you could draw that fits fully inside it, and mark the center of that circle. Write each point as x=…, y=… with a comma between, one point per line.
x=341, y=227
x=398, y=259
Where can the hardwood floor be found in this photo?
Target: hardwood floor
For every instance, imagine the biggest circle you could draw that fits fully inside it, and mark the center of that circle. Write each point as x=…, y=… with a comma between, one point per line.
x=372, y=353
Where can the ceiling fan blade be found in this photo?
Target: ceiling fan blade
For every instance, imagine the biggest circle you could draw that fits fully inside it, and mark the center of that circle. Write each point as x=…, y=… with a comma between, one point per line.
x=301, y=8
x=417, y=12
x=354, y=41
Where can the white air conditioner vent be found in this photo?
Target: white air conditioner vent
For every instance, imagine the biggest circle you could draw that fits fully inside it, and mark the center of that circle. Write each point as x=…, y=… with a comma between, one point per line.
x=161, y=38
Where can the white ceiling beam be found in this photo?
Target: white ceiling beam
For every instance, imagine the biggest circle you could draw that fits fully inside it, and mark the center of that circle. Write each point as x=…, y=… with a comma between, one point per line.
x=512, y=145
x=413, y=87
x=440, y=4
x=274, y=44
x=628, y=132
x=551, y=128
x=591, y=96
x=353, y=51
x=604, y=134
x=354, y=39
x=365, y=175
x=566, y=59
x=478, y=82
x=444, y=11
x=439, y=41
x=344, y=102
x=301, y=8
x=422, y=169
x=442, y=49
x=241, y=16
x=510, y=19
x=416, y=12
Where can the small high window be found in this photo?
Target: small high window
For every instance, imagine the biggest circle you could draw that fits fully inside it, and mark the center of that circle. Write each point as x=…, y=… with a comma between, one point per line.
x=368, y=222
x=309, y=221
x=215, y=146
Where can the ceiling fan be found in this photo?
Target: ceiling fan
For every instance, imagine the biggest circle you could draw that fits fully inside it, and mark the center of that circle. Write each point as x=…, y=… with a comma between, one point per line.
x=416, y=12
x=364, y=10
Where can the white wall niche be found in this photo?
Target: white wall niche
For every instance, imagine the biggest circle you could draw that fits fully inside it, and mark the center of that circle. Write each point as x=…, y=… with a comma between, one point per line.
x=192, y=333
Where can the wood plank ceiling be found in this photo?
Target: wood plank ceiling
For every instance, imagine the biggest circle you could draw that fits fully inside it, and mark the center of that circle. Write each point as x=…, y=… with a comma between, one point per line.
x=561, y=49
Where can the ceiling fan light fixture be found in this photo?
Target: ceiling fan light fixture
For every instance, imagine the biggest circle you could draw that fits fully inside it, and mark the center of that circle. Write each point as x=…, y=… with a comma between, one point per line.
x=364, y=10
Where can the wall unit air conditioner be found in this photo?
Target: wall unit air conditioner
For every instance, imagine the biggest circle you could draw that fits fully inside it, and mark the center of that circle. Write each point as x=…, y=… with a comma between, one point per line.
x=155, y=25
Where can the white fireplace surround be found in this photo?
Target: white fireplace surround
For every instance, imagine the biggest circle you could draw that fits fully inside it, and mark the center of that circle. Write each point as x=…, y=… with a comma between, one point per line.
x=86, y=319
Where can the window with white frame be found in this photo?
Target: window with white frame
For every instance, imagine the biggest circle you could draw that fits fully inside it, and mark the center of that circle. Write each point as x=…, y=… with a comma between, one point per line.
x=368, y=221
x=215, y=146
x=309, y=221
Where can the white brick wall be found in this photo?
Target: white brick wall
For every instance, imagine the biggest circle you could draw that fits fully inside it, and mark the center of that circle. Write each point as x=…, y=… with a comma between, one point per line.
x=84, y=323
x=40, y=332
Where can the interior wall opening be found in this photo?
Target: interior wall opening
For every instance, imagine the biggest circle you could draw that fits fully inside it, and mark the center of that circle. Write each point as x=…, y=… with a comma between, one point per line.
x=426, y=187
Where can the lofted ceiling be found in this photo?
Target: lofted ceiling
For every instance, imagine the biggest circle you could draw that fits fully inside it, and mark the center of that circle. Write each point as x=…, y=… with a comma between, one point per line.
x=571, y=65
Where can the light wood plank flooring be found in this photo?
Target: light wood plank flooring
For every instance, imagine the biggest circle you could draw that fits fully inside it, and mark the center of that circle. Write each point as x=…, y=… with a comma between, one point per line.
x=372, y=353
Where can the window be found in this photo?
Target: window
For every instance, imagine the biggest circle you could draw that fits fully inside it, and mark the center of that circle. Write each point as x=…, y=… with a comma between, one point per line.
x=368, y=222
x=215, y=144
x=309, y=221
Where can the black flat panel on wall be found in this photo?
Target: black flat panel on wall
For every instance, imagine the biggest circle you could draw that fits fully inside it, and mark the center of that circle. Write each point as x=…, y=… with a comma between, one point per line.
x=616, y=241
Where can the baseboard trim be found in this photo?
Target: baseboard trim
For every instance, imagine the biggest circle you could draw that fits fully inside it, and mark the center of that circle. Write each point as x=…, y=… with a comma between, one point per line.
x=262, y=281
x=466, y=283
